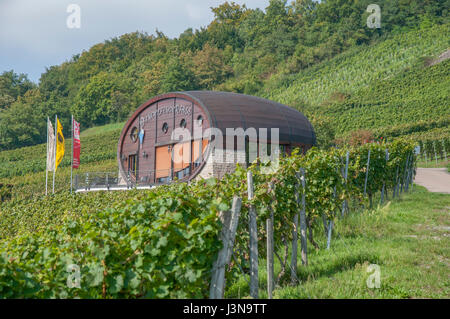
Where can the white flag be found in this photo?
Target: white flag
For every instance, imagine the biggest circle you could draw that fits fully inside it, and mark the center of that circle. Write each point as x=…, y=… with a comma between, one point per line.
x=50, y=148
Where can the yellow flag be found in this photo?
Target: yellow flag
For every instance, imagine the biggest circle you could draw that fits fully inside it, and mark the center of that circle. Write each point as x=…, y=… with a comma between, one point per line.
x=59, y=145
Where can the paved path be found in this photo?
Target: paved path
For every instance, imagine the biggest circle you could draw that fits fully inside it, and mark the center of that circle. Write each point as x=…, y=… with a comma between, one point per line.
x=434, y=179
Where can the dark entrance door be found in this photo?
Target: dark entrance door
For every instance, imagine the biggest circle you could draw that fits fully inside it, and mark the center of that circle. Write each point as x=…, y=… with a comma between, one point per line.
x=132, y=165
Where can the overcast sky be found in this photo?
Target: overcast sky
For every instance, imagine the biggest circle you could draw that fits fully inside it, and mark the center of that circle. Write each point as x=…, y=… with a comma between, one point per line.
x=34, y=33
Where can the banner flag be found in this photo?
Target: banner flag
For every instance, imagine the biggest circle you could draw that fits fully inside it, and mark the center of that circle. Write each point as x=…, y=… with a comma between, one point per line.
x=59, y=145
x=76, y=144
x=50, y=147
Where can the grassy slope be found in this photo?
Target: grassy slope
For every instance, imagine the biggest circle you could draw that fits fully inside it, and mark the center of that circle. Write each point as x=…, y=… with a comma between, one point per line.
x=97, y=130
x=408, y=238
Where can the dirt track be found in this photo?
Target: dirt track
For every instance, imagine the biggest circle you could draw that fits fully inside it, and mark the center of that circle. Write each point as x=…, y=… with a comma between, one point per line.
x=436, y=180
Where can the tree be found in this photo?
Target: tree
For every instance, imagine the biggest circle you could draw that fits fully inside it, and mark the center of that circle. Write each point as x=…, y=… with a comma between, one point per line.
x=178, y=77
x=325, y=133
x=210, y=67
x=151, y=78
x=229, y=13
x=103, y=100
x=55, y=81
x=13, y=85
x=223, y=30
x=23, y=123
x=305, y=8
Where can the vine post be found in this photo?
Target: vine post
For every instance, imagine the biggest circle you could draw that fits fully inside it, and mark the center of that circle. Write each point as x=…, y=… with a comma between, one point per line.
x=345, y=203
x=445, y=151
x=270, y=249
x=384, y=182
x=367, y=173
x=330, y=227
x=230, y=221
x=396, y=184
x=270, y=281
x=253, y=230
x=435, y=153
x=304, y=251
x=411, y=172
x=403, y=183
x=408, y=173
x=295, y=242
x=330, y=230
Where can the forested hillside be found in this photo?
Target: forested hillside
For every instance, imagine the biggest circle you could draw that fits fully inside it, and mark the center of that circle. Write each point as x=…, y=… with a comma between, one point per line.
x=302, y=53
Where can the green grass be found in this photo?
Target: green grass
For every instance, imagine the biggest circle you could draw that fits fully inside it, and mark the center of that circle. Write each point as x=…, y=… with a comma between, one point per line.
x=102, y=129
x=408, y=238
x=431, y=163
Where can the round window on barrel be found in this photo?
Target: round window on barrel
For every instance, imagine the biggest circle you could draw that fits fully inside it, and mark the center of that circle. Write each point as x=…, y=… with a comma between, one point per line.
x=183, y=123
x=165, y=128
x=200, y=120
x=134, y=134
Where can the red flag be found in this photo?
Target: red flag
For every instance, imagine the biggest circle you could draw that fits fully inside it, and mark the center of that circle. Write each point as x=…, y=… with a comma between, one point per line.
x=76, y=144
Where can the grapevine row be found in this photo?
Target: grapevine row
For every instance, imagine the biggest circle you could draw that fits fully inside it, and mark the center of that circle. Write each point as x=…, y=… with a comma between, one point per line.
x=162, y=243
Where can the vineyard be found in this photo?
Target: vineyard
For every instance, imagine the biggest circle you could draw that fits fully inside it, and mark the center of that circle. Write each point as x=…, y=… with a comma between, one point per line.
x=96, y=148
x=24, y=168
x=163, y=243
x=388, y=87
x=358, y=67
x=420, y=94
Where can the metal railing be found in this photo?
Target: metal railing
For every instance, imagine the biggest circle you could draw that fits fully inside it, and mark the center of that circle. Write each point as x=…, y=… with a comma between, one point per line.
x=127, y=180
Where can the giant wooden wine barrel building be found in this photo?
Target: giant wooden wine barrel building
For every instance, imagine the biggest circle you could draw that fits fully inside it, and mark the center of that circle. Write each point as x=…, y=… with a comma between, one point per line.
x=146, y=146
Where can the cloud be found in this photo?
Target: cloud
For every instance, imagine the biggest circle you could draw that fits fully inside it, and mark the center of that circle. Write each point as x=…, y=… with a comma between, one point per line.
x=34, y=34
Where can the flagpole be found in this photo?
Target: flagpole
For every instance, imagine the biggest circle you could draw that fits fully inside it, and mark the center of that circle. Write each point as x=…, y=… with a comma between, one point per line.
x=46, y=165
x=71, y=163
x=54, y=167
